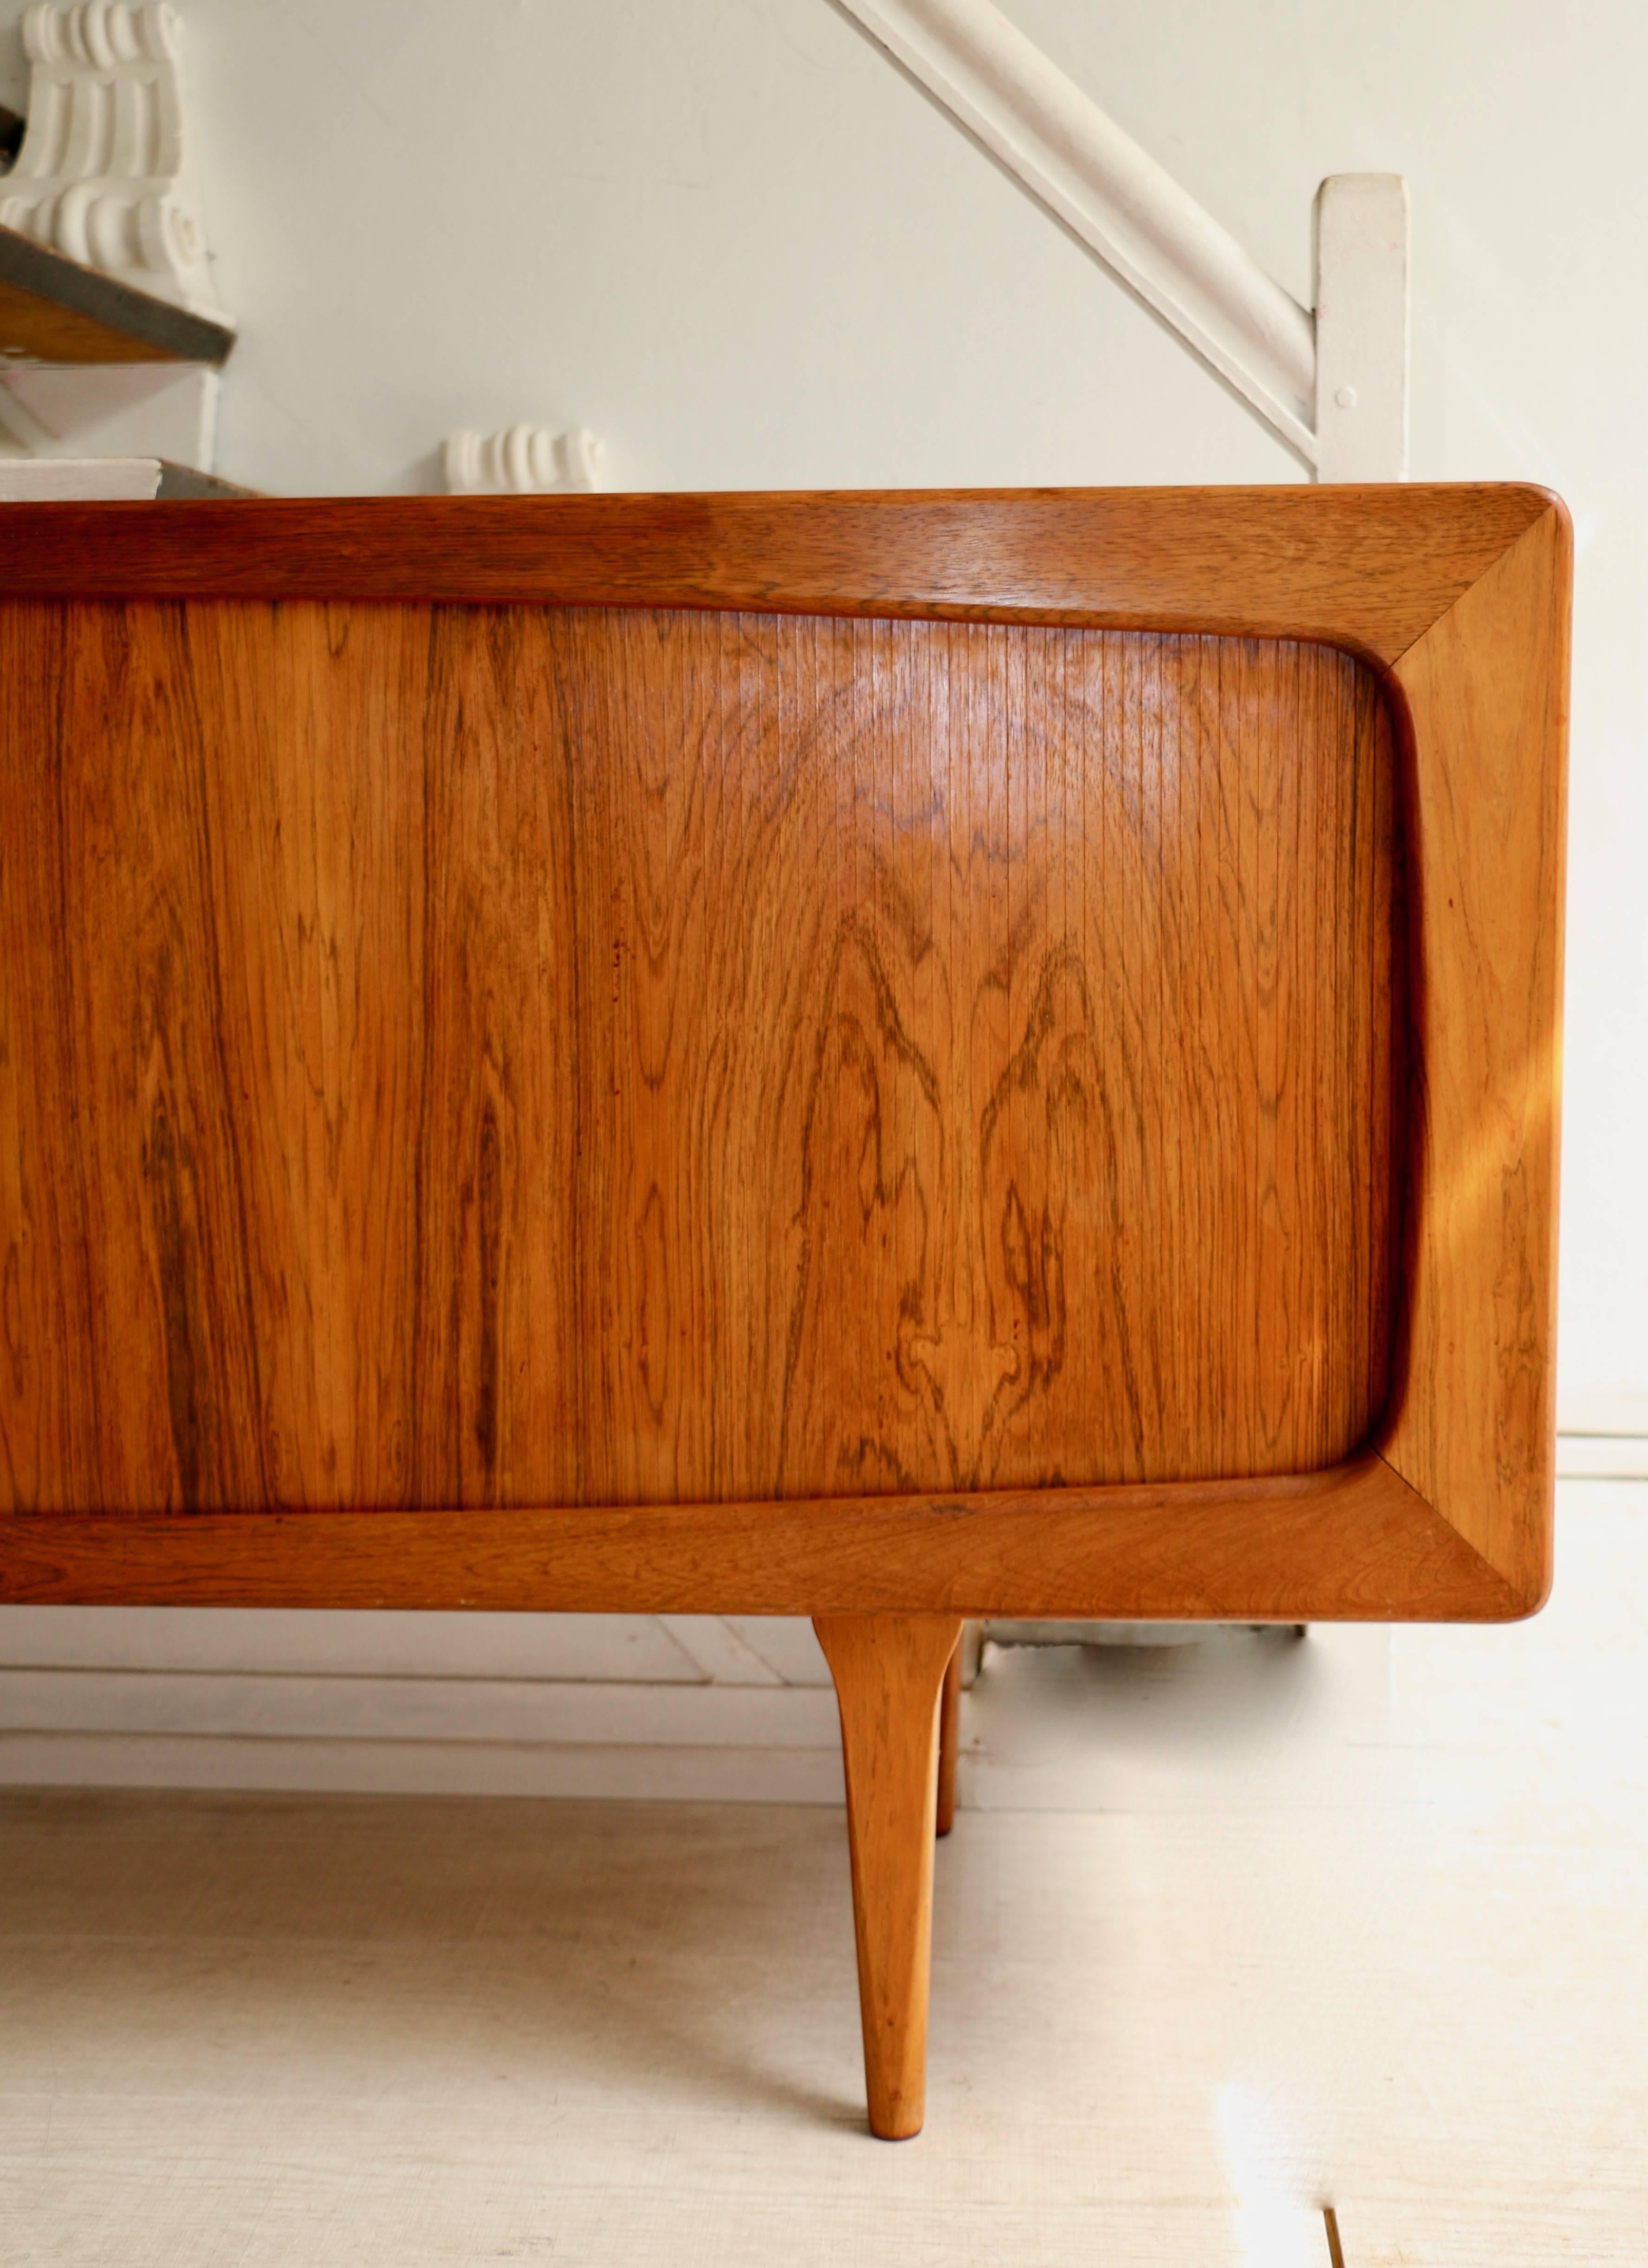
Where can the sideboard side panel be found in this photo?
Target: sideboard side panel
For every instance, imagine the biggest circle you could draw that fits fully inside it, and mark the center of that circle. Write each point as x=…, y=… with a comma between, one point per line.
x=1474, y=1426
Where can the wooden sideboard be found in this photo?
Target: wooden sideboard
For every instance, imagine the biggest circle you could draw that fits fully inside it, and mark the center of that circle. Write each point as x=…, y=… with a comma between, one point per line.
x=887, y=1056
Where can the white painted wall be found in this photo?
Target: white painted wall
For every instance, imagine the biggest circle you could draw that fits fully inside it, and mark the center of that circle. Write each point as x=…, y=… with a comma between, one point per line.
x=729, y=238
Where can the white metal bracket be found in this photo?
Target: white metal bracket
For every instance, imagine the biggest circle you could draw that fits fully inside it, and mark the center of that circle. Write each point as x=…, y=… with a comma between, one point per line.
x=1056, y=141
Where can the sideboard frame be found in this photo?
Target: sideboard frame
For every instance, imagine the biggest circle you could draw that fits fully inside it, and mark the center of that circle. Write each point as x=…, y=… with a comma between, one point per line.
x=1459, y=598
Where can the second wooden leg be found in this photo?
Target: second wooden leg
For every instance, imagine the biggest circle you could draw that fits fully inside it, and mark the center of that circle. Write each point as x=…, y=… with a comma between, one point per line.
x=949, y=1741
x=888, y=1671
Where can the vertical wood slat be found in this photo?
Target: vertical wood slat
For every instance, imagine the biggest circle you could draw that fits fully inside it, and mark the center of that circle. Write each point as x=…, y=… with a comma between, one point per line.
x=535, y=1056
x=50, y=1418
x=318, y=878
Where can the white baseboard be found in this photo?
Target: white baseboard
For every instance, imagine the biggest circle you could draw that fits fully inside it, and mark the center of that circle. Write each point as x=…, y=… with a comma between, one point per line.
x=226, y=1705
x=418, y=1734
x=533, y=1712
x=112, y=1758
x=740, y=1709
x=743, y=1650
x=1603, y=1455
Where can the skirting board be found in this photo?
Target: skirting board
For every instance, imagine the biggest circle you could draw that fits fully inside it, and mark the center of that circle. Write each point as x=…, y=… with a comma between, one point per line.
x=627, y=1705
x=1604, y=1454
x=424, y=1767
x=426, y=1733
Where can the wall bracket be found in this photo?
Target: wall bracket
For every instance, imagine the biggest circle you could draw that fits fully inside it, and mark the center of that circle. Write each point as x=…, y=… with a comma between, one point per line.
x=111, y=335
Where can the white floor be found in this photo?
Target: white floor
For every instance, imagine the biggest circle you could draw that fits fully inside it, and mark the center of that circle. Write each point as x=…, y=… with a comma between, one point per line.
x=1226, y=1934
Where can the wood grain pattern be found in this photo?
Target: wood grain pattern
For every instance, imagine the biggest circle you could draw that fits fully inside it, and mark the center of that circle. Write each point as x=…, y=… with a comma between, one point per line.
x=941, y=1093
x=888, y=1669
x=1473, y=1429
x=55, y=310
x=617, y=1057
x=1356, y=1542
x=38, y=326
x=1367, y=569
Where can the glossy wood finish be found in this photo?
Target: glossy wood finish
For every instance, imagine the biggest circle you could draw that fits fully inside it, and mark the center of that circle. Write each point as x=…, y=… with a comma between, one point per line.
x=694, y=1058
x=826, y=908
x=1366, y=568
x=1473, y=1425
x=1354, y=1542
x=888, y=1671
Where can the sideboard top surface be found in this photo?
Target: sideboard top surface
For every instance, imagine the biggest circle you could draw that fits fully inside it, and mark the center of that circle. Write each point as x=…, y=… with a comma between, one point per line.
x=1368, y=568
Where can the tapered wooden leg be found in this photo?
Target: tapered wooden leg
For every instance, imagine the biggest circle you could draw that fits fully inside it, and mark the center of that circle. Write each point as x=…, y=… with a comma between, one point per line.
x=888, y=1671
x=949, y=1740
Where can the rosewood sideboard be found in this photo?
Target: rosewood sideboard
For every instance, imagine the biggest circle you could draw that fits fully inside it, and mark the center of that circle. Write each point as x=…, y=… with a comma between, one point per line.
x=884, y=1056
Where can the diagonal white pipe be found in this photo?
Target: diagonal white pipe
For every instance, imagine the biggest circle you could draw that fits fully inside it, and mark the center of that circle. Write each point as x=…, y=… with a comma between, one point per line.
x=1120, y=204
